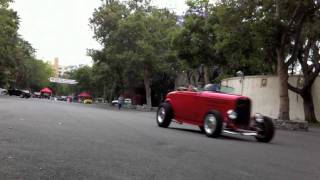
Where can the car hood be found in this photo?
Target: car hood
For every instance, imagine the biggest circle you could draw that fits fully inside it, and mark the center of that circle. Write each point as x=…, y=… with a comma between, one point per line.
x=218, y=95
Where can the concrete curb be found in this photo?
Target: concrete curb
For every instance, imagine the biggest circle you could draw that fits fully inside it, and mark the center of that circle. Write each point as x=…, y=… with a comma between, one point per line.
x=130, y=107
x=146, y=108
x=291, y=125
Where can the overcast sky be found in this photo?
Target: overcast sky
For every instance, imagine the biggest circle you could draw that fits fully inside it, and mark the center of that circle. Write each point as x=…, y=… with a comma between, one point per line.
x=59, y=28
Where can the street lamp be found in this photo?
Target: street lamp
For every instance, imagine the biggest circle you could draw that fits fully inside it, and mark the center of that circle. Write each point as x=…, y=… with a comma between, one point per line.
x=241, y=75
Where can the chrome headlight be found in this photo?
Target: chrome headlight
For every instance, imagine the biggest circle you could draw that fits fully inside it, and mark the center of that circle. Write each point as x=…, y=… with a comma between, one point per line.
x=258, y=117
x=232, y=114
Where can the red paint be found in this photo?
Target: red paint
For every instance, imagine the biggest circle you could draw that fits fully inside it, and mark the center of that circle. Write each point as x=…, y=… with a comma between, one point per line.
x=46, y=90
x=191, y=107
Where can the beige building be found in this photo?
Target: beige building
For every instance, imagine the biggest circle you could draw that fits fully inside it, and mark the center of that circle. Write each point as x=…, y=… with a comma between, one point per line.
x=59, y=70
x=264, y=93
x=55, y=67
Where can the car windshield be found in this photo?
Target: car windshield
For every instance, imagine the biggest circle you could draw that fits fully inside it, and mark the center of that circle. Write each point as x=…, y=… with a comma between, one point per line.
x=212, y=88
x=227, y=90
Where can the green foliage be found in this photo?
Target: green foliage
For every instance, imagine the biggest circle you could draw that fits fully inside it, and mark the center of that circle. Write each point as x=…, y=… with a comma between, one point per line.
x=146, y=45
x=18, y=66
x=5, y=3
x=137, y=43
x=196, y=39
x=83, y=75
x=40, y=72
x=9, y=41
x=239, y=38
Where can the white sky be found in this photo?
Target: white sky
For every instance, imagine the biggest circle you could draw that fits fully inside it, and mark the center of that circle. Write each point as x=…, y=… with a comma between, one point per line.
x=59, y=28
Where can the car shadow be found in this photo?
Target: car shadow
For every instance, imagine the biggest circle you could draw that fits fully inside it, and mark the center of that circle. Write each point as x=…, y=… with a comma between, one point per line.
x=187, y=130
x=223, y=135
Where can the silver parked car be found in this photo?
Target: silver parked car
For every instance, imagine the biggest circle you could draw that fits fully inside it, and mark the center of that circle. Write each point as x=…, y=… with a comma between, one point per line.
x=3, y=91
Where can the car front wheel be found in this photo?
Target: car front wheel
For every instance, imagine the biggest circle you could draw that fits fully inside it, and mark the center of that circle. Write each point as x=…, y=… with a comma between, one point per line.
x=213, y=124
x=265, y=130
x=164, y=115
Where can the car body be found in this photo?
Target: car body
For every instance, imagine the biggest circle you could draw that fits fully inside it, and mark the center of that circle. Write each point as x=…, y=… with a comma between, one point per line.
x=214, y=113
x=127, y=101
x=25, y=94
x=14, y=92
x=3, y=91
x=87, y=101
x=62, y=98
x=115, y=102
x=36, y=95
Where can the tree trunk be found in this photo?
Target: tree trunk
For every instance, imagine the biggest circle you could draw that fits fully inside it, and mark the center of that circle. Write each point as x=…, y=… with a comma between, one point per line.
x=206, y=74
x=146, y=80
x=284, y=107
x=189, y=77
x=308, y=106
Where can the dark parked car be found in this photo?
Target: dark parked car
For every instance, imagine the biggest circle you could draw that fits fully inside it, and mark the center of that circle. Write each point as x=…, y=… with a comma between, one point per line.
x=215, y=113
x=14, y=92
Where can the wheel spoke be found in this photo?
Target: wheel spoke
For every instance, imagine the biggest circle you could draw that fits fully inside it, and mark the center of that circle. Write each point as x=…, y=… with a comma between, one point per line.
x=210, y=124
x=161, y=115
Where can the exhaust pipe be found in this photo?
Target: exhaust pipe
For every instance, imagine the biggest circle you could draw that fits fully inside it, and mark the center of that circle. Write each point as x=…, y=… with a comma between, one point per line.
x=241, y=133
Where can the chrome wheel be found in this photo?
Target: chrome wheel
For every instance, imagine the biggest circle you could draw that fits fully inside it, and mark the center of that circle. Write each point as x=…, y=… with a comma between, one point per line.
x=210, y=124
x=161, y=115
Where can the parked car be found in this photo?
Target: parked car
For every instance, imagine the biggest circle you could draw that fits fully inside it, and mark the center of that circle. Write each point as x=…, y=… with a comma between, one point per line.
x=25, y=94
x=62, y=98
x=127, y=101
x=215, y=113
x=14, y=92
x=36, y=95
x=87, y=101
x=3, y=91
x=115, y=102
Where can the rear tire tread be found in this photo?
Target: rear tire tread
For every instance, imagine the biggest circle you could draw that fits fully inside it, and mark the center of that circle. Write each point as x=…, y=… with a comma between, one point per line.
x=269, y=130
x=168, y=115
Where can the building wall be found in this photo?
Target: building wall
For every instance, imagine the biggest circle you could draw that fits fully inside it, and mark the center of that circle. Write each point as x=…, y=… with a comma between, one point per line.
x=265, y=99
x=55, y=67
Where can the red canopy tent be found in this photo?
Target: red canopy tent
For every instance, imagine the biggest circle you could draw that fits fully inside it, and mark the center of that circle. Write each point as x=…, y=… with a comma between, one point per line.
x=84, y=94
x=46, y=91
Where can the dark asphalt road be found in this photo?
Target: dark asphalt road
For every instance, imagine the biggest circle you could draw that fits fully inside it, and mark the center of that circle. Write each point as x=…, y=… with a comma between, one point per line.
x=40, y=139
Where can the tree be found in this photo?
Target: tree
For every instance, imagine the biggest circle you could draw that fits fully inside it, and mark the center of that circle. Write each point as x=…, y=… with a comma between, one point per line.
x=148, y=43
x=4, y=3
x=277, y=28
x=83, y=75
x=18, y=65
x=9, y=40
x=308, y=58
x=290, y=18
x=105, y=22
x=196, y=39
x=239, y=40
x=137, y=40
x=39, y=74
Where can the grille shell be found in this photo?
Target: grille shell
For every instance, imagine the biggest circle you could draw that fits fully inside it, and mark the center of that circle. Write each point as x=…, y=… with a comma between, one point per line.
x=243, y=109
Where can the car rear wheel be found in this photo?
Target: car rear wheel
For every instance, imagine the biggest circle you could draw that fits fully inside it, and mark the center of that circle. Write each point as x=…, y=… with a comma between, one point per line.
x=265, y=130
x=213, y=124
x=164, y=115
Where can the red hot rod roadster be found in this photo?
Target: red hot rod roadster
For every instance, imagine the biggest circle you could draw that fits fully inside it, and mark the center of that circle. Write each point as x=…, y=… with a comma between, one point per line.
x=214, y=113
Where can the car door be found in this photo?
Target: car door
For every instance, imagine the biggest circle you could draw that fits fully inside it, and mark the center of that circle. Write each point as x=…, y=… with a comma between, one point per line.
x=185, y=105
